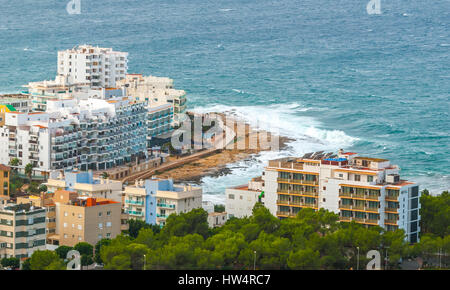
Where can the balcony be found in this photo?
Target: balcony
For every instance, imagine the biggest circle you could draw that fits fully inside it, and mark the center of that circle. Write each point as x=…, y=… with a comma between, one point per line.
x=359, y=196
x=171, y=206
x=391, y=197
x=390, y=221
x=359, y=220
x=163, y=216
x=134, y=202
x=135, y=213
x=285, y=214
x=391, y=209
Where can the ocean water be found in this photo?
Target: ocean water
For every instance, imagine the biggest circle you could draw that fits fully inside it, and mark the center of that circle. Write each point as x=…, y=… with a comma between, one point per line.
x=324, y=73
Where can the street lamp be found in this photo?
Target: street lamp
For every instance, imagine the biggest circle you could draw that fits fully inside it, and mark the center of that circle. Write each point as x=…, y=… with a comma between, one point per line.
x=254, y=261
x=357, y=264
x=144, y=261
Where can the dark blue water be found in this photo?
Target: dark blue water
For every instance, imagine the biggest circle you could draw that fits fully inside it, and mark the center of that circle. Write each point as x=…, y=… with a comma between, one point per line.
x=378, y=84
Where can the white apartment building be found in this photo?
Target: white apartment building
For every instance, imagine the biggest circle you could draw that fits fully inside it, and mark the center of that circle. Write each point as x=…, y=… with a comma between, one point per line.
x=153, y=200
x=86, y=134
x=156, y=91
x=361, y=189
x=240, y=200
x=99, y=67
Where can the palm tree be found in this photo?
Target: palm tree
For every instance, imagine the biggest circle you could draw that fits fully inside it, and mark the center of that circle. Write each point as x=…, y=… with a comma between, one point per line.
x=105, y=175
x=14, y=162
x=29, y=170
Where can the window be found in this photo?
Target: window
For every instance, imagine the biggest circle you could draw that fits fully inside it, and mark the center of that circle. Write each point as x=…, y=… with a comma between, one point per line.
x=108, y=213
x=100, y=225
x=100, y=236
x=80, y=227
x=65, y=236
x=108, y=224
x=100, y=213
x=357, y=177
x=65, y=225
x=231, y=196
x=80, y=215
x=369, y=178
x=65, y=213
x=108, y=235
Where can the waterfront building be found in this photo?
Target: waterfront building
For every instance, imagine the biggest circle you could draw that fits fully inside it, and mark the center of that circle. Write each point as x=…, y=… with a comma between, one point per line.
x=85, y=219
x=153, y=200
x=85, y=184
x=16, y=103
x=156, y=91
x=99, y=67
x=240, y=200
x=75, y=133
x=22, y=230
x=4, y=181
x=366, y=190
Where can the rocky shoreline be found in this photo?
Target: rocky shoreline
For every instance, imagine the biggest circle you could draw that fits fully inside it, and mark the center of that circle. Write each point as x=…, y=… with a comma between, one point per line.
x=216, y=165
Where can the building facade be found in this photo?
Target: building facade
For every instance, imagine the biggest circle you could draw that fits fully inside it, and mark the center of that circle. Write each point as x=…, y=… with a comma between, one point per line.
x=86, y=134
x=99, y=67
x=240, y=200
x=85, y=185
x=153, y=200
x=85, y=219
x=22, y=230
x=5, y=172
x=366, y=190
x=156, y=91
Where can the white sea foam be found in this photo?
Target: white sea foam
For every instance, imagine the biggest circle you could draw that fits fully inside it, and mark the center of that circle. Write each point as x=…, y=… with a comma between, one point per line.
x=283, y=119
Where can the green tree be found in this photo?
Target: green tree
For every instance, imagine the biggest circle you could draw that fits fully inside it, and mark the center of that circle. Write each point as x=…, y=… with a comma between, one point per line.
x=29, y=170
x=98, y=247
x=219, y=208
x=62, y=251
x=193, y=222
x=14, y=162
x=105, y=175
x=134, y=226
x=435, y=213
x=46, y=260
x=86, y=251
x=12, y=262
x=306, y=259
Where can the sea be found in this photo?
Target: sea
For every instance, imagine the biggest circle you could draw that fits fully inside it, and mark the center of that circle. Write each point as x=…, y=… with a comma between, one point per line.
x=327, y=74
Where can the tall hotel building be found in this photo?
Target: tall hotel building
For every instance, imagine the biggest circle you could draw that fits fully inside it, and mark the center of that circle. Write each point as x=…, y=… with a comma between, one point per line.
x=85, y=134
x=366, y=190
x=99, y=67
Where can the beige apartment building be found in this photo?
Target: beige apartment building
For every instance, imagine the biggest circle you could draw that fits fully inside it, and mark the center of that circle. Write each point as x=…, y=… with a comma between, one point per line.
x=365, y=190
x=22, y=230
x=85, y=219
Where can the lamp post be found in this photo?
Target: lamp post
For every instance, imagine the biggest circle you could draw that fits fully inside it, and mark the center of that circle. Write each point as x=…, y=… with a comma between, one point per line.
x=254, y=261
x=144, y=261
x=357, y=264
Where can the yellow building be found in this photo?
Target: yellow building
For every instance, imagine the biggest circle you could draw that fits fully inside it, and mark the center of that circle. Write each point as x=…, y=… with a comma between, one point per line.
x=4, y=180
